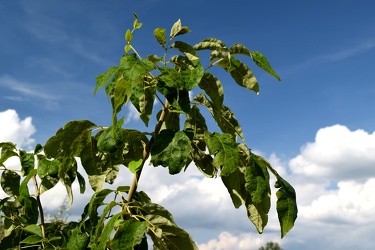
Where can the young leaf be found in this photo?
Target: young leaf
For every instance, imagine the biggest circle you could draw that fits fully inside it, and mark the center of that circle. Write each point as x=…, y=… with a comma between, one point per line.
x=134, y=166
x=227, y=154
x=171, y=149
x=128, y=36
x=159, y=34
x=263, y=63
x=136, y=24
x=177, y=29
x=10, y=182
x=103, y=78
x=127, y=48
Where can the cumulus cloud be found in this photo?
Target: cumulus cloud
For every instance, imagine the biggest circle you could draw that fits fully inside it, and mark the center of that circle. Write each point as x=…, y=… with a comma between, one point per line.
x=16, y=130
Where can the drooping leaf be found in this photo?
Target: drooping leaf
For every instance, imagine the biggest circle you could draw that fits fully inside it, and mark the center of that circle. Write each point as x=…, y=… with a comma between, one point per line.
x=171, y=149
x=224, y=118
x=227, y=155
x=159, y=34
x=214, y=89
x=188, y=51
x=143, y=97
x=10, y=182
x=177, y=29
x=106, y=232
x=263, y=63
x=129, y=234
x=203, y=161
x=221, y=58
x=257, y=179
x=243, y=76
x=82, y=183
x=135, y=142
x=27, y=162
x=258, y=213
x=210, y=44
x=239, y=48
x=178, y=99
x=103, y=78
x=24, y=190
x=235, y=184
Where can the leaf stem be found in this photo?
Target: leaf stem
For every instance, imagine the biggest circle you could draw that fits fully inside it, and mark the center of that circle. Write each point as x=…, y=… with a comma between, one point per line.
x=147, y=150
x=37, y=194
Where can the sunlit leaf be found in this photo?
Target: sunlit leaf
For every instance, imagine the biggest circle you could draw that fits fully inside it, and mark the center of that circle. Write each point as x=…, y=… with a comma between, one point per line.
x=214, y=89
x=239, y=48
x=188, y=51
x=263, y=63
x=243, y=76
x=104, y=78
x=128, y=36
x=177, y=29
x=159, y=34
x=111, y=138
x=143, y=97
x=210, y=44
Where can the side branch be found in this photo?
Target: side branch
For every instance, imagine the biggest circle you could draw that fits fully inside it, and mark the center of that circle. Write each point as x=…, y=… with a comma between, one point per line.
x=146, y=152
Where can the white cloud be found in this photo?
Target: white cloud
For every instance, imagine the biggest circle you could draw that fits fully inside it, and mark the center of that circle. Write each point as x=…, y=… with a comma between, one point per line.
x=13, y=129
x=337, y=153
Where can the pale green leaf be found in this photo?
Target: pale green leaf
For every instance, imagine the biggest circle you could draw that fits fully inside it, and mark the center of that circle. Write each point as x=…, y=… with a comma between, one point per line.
x=159, y=34
x=239, y=48
x=177, y=29
x=127, y=48
x=263, y=63
x=128, y=36
x=210, y=44
x=134, y=166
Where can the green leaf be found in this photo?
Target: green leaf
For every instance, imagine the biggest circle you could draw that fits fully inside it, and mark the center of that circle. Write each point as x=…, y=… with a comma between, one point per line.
x=135, y=142
x=103, y=78
x=10, y=182
x=171, y=149
x=48, y=168
x=77, y=240
x=111, y=138
x=27, y=163
x=136, y=24
x=239, y=48
x=6, y=152
x=214, y=89
x=191, y=77
x=258, y=213
x=286, y=204
x=227, y=155
x=221, y=58
x=171, y=77
x=203, y=161
x=38, y=149
x=34, y=229
x=177, y=29
x=134, y=166
x=129, y=234
x=235, y=184
x=24, y=190
x=243, y=76
x=178, y=99
x=82, y=183
x=188, y=51
x=257, y=179
x=224, y=118
x=127, y=48
x=143, y=97
x=263, y=63
x=210, y=44
x=159, y=34
x=128, y=36
x=32, y=239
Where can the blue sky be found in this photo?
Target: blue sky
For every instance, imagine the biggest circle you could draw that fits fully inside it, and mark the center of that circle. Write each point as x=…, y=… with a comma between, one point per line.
x=316, y=125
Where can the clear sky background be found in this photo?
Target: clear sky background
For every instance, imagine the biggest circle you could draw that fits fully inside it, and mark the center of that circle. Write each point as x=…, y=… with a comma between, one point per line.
x=316, y=126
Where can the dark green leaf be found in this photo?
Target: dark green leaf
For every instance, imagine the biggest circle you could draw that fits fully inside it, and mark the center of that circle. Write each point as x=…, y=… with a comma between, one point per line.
x=143, y=97
x=106, y=232
x=129, y=234
x=171, y=121
x=235, y=184
x=257, y=179
x=6, y=153
x=243, y=76
x=177, y=29
x=27, y=163
x=48, y=168
x=263, y=63
x=188, y=51
x=210, y=44
x=32, y=239
x=10, y=182
x=135, y=142
x=258, y=212
x=103, y=78
x=111, y=138
x=214, y=89
x=227, y=155
x=38, y=148
x=159, y=34
x=82, y=183
x=178, y=99
x=224, y=118
x=77, y=240
x=171, y=149
x=203, y=161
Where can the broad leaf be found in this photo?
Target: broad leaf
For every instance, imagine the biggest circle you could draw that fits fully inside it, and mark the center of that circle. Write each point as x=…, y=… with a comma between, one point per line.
x=178, y=99
x=171, y=149
x=143, y=97
x=214, y=89
x=243, y=76
x=210, y=44
x=188, y=51
x=10, y=182
x=77, y=240
x=263, y=63
x=129, y=234
x=103, y=78
x=257, y=179
x=7, y=151
x=159, y=34
x=235, y=184
x=111, y=138
x=227, y=155
x=27, y=162
x=34, y=229
x=177, y=29
x=258, y=213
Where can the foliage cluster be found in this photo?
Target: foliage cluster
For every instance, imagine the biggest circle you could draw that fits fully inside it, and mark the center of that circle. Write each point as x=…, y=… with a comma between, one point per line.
x=122, y=217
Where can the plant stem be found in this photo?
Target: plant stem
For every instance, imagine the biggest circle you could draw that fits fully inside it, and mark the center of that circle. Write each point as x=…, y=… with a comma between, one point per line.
x=147, y=150
x=37, y=194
